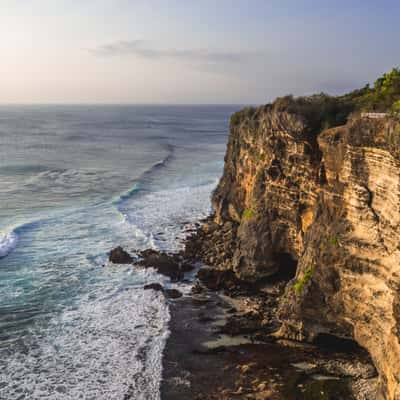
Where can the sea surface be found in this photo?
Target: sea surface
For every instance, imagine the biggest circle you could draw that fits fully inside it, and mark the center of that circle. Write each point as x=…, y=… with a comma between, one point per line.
x=75, y=181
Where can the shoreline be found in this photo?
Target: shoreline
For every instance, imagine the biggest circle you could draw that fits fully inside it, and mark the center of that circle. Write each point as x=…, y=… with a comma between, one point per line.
x=215, y=352
x=200, y=363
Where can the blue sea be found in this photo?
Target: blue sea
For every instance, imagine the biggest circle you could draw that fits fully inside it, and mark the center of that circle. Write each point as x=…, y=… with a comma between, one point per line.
x=76, y=181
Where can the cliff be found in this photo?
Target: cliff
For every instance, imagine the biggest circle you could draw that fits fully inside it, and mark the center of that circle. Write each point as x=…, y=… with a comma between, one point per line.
x=319, y=207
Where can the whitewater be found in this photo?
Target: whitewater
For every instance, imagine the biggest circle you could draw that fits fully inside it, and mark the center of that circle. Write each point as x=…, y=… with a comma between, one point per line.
x=76, y=181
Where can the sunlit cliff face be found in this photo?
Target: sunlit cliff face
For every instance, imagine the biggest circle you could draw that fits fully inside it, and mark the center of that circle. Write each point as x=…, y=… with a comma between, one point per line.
x=333, y=205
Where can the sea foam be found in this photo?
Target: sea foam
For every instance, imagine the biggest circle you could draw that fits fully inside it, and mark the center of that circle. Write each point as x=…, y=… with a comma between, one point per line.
x=107, y=348
x=8, y=241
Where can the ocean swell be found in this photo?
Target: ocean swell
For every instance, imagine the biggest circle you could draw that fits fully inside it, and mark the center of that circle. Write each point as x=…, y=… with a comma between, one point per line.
x=145, y=177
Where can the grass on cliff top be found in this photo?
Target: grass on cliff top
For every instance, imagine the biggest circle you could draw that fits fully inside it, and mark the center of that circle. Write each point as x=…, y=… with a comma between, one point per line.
x=301, y=283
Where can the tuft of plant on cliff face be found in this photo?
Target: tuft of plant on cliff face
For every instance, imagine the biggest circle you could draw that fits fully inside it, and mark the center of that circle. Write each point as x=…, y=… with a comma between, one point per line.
x=334, y=241
x=247, y=214
x=306, y=278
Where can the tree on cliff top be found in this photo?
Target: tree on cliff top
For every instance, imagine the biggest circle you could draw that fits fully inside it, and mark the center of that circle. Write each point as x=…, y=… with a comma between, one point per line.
x=384, y=96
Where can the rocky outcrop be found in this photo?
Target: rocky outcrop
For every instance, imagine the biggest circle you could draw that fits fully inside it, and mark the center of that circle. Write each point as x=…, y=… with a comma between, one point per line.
x=320, y=207
x=120, y=256
x=154, y=286
x=172, y=265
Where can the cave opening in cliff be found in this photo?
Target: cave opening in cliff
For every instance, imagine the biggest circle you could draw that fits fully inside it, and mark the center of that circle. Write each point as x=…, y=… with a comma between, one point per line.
x=332, y=343
x=287, y=268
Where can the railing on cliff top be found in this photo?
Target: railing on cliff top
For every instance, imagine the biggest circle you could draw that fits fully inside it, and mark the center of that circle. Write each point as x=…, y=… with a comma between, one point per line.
x=373, y=115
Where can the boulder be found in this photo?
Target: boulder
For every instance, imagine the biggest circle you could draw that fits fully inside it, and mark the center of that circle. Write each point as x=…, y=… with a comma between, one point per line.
x=173, y=293
x=120, y=256
x=154, y=286
x=165, y=264
x=215, y=279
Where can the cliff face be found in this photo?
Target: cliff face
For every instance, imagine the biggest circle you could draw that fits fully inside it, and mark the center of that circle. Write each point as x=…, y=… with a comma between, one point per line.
x=268, y=189
x=328, y=203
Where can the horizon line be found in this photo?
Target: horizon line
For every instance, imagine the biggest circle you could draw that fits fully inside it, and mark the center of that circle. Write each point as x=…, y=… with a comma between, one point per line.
x=129, y=104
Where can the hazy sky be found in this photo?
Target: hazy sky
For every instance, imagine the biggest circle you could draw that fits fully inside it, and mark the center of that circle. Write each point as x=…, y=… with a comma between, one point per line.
x=191, y=51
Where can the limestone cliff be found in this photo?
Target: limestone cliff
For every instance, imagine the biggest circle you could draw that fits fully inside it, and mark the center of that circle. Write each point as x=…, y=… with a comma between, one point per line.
x=328, y=202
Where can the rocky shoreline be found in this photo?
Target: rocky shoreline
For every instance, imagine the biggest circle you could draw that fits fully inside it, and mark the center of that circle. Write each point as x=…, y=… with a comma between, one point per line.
x=224, y=344
x=305, y=238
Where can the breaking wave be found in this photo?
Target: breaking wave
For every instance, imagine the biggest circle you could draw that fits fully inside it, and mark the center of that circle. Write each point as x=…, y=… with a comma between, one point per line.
x=8, y=242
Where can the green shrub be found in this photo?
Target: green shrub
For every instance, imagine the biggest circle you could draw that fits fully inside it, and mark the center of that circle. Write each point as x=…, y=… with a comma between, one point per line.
x=307, y=276
x=382, y=97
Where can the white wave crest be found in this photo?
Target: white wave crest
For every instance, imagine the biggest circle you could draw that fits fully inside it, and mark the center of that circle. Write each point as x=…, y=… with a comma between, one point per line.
x=157, y=221
x=8, y=241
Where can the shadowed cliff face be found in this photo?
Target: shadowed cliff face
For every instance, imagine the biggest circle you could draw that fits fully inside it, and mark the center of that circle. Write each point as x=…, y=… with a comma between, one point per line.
x=329, y=202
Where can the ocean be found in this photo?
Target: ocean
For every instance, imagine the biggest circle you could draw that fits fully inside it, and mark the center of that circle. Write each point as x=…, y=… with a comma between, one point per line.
x=76, y=181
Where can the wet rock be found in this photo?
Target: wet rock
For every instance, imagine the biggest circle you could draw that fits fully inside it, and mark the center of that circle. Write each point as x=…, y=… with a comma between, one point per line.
x=214, y=279
x=120, y=256
x=354, y=369
x=200, y=300
x=154, y=286
x=197, y=288
x=204, y=317
x=173, y=293
x=165, y=264
x=242, y=324
x=186, y=267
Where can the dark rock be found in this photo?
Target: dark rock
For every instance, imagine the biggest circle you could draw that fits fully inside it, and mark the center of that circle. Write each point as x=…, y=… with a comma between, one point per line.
x=197, y=288
x=120, y=256
x=242, y=324
x=185, y=267
x=205, y=318
x=200, y=300
x=154, y=286
x=165, y=264
x=215, y=279
x=173, y=293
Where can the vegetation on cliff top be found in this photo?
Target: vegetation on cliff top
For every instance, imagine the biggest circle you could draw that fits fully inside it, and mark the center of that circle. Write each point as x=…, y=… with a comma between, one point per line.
x=323, y=111
x=384, y=96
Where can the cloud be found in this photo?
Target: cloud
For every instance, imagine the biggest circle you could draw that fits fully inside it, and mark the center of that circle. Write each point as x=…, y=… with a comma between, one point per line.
x=144, y=49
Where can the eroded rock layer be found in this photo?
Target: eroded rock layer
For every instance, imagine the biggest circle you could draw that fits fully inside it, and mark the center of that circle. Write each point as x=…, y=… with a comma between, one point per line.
x=329, y=203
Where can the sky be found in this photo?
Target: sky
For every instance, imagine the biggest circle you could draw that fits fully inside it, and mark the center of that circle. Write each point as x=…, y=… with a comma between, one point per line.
x=191, y=51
